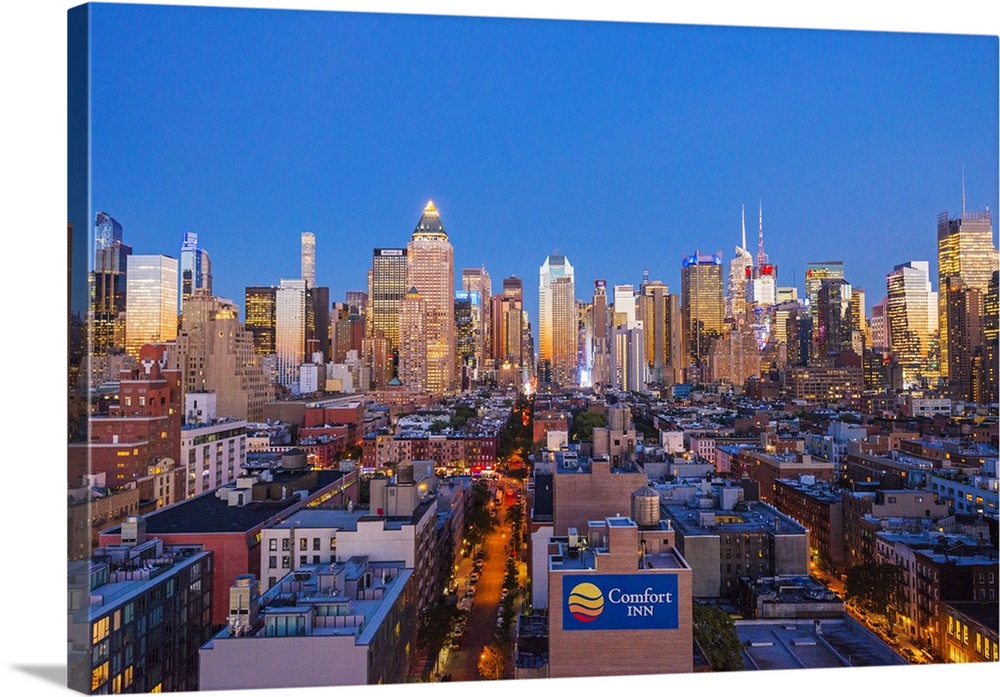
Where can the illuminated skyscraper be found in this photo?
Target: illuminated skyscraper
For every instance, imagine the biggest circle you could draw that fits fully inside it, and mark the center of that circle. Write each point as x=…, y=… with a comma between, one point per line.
x=702, y=304
x=739, y=271
x=260, y=314
x=413, y=342
x=478, y=280
x=880, y=323
x=557, y=320
x=107, y=231
x=108, y=287
x=196, y=268
x=430, y=269
x=151, y=301
x=291, y=316
x=816, y=271
x=656, y=325
x=386, y=288
x=834, y=328
x=309, y=258
x=909, y=307
x=964, y=319
x=990, y=377
x=965, y=251
x=624, y=300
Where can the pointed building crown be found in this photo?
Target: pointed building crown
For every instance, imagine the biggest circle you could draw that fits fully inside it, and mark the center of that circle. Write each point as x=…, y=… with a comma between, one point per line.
x=430, y=226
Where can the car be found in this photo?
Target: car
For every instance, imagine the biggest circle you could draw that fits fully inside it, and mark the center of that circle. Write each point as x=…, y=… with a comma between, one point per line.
x=446, y=677
x=456, y=645
x=469, y=593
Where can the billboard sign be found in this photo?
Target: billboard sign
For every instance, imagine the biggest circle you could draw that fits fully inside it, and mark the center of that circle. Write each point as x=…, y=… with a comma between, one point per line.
x=599, y=601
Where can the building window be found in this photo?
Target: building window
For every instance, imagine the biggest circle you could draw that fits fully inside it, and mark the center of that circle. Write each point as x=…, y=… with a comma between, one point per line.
x=286, y=544
x=315, y=544
x=303, y=560
x=286, y=561
x=272, y=544
x=303, y=544
x=316, y=559
x=272, y=562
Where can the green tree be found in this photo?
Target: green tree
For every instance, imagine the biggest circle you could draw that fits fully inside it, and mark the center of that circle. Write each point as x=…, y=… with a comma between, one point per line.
x=584, y=424
x=716, y=635
x=874, y=587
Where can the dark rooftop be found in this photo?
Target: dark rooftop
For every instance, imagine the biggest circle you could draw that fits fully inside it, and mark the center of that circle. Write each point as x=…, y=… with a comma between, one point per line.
x=208, y=514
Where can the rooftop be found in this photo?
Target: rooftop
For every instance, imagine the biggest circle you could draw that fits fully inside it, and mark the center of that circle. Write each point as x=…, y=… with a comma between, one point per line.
x=209, y=514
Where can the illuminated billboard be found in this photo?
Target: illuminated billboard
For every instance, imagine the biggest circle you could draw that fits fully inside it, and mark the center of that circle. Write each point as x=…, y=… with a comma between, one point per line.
x=598, y=601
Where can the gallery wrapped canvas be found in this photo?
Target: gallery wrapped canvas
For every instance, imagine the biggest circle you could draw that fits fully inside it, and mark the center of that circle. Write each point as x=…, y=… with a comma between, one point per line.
x=420, y=348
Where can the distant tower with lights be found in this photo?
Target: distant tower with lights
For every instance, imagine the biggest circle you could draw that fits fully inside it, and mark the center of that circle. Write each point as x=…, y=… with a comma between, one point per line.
x=430, y=273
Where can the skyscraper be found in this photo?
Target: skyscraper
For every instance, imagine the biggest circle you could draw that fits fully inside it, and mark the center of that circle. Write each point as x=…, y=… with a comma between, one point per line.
x=908, y=306
x=413, y=342
x=702, y=304
x=196, y=268
x=739, y=271
x=964, y=319
x=309, y=258
x=557, y=319
x=834, y=328
x=478, y=280
x=656, y=325
x=386, y=288
x=108, y=286
x=624, y=300
x=966, y=251
x=107, y=231
x=260, y=317
x=430, y=270
x=816, y=271
x=151, y=301
x=291, y=315
x=990, y=377
x=600, y=349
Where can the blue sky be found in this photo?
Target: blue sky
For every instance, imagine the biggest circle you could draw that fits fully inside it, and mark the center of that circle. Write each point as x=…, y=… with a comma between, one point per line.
x=622, y=145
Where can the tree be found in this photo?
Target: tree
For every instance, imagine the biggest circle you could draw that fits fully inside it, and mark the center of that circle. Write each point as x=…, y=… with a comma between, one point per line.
x=874, y=586
x=492, y=661
x=584, y=424
x=716, y=635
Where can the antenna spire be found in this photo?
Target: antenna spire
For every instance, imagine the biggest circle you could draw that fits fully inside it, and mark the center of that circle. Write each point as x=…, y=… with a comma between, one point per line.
x=963, y=190
x=743, y=220
x=761, y=257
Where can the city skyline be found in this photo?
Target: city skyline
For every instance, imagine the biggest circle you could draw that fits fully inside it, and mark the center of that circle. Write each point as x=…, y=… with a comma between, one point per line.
x=37, y=156
x=672, y=139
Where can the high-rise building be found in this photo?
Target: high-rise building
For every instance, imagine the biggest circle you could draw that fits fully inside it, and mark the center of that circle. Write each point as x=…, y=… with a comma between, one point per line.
x=413, y=342
x=430, y=269
x=702, y=304
x=468, y=314
x=557, y=320
x=816, y=271
x=107, y=231
x=990, y=378
x=196, y=268
x=309, y=258
x=600, y=349
x=215, y=353
x=966, y=251
x=386, y=288
x=628, y=357
x=964, y=319
x=834, y=328
x=908, y=306
x=151, y=301
x=478, y=280
x=739, y=271
x=290, y=319
x=624, y=300
x=108, y=287
x=880, y=323
x=656, y=326
x=318, y=326
x=260, y=316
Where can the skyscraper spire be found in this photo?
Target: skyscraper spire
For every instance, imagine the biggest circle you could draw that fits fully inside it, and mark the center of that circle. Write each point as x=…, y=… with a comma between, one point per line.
x=963, y=189
x=761, y=257
x=743, y=221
